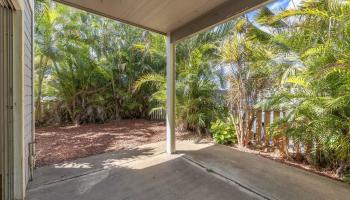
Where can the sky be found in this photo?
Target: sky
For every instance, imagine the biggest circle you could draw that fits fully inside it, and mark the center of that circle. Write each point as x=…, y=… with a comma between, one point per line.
x=277, y=6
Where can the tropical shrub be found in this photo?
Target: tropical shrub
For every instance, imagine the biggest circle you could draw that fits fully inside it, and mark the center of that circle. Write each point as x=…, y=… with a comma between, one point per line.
x=86, y=66
x=224, y=131
x=249, y=60
x=314, y=90
x=347, y=178
x=198, y=99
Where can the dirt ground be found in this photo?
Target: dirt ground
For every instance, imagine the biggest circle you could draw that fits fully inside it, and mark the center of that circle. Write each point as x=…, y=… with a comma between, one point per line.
x=64, y=143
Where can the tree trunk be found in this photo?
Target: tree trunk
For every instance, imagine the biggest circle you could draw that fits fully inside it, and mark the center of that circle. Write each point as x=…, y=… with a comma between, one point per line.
x=38, y=105
x=298, y=156
x=308, y=150
x=117, y=114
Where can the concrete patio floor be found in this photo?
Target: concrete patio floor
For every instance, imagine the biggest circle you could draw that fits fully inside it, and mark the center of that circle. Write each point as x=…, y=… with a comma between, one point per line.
x=198, y=171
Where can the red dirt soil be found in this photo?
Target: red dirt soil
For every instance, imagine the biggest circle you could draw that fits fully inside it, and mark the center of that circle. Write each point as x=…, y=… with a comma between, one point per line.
x=64, y=143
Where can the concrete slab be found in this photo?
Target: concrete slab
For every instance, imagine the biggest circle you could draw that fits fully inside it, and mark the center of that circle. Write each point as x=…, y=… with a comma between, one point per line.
x=161, y=177
x=198, y=171
x=269, y=178
x=70, y=169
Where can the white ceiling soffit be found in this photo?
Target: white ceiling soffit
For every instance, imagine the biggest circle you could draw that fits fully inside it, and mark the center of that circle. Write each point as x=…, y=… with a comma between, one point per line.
x=8, y=4
x=180, y=18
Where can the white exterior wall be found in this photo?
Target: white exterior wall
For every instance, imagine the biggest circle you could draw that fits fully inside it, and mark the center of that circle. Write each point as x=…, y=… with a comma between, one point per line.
x=28, y=82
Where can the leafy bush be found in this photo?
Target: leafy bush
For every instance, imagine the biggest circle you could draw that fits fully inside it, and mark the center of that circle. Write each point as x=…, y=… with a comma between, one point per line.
x=346, y=178
x=224, y=132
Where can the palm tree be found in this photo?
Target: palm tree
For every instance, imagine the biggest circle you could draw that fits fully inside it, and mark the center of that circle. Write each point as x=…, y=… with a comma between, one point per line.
x=316, y=97
x=196, y=92
x=90, y=64
x=246, y=53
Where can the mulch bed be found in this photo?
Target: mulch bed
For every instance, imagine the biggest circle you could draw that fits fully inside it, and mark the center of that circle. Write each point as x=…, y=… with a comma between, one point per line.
x=301, y=165
x=64, y=143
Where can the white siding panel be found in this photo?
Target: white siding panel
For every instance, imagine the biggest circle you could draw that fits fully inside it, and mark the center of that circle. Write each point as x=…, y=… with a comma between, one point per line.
x=28, y=81
x=27, y=71
x=27, y=92
x=28, y=110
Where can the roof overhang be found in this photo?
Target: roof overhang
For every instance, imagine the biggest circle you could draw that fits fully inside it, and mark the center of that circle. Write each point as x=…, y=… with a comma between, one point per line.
x=179, y=18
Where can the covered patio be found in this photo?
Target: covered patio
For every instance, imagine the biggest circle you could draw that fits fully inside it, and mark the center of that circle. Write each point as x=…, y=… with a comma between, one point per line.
x=164, y=170
x=176, y=20
x=195, y=169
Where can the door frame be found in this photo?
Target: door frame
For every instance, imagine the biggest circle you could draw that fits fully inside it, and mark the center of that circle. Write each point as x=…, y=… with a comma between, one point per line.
x=6, y=106
x=13, y=179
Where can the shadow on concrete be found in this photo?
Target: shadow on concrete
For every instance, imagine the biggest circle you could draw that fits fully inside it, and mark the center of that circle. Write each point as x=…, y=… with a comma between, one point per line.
x=161, y=177
x=267, y=177
x=71, y=169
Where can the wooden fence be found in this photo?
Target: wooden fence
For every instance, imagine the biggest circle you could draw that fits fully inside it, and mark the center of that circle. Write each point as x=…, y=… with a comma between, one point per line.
x=262, y=123
x=260, y=133
x=158, y=115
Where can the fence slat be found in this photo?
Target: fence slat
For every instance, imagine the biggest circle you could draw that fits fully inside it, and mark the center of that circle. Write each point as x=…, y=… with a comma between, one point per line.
x=158, y=115
x=267, y=116
x=258, y=126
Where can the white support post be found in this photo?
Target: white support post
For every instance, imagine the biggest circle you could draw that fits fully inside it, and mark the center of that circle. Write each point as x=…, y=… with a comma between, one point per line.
x=170, y=102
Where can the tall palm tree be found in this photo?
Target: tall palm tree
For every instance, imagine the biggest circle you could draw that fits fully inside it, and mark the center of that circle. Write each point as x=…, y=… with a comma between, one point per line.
x=316, y=97
x=249, y=58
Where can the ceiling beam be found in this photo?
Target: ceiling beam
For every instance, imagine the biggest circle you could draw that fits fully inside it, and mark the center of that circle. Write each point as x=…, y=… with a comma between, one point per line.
x=218, y=15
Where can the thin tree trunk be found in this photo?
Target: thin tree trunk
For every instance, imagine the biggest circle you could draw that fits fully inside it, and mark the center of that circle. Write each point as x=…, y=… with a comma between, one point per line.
x=117, y=115
x=308, y=150
x=41, y=74
x=297, y=150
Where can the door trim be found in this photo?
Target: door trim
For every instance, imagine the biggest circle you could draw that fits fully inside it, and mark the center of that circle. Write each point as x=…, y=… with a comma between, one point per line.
x=12, y=63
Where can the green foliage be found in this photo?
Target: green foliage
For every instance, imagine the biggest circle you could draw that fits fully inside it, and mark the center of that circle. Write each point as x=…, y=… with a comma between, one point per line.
x=197, y=95
x=347, y=178
x=196, y=91
x=315, y=96
x=224, y=131
x=88, y=64
x=250, y=57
